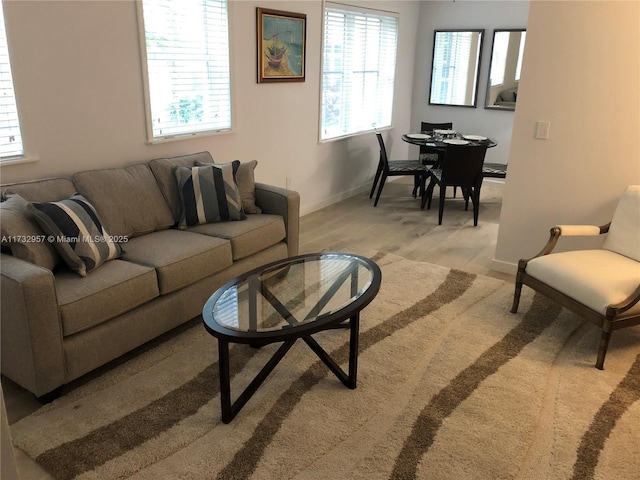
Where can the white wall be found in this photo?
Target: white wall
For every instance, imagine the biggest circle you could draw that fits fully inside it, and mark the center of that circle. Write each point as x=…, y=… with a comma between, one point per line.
x=78, y=80
x=581, y=72
x=77, y=74
x=487, y=15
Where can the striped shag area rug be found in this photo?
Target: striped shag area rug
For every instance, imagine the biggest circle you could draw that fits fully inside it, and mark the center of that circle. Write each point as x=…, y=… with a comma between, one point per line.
x=450, y=386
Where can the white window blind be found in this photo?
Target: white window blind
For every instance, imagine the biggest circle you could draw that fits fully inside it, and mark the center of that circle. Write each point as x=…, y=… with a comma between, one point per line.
x=358, y=70
x=188, y=84
x=10, y=136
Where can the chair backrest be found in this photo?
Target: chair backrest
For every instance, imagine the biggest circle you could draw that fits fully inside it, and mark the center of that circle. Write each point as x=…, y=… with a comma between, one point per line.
x=624, y=231
x=383, y=153
x=462, y=165
x=430, y=127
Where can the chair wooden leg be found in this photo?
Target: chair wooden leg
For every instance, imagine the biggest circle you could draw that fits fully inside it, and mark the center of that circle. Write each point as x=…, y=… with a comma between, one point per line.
x=375, y=180
x=382, y=180
x=516, y=297
x=443, y=190
x=602, y=348
x=423, y=184
x=475, y=199
x=426, y=196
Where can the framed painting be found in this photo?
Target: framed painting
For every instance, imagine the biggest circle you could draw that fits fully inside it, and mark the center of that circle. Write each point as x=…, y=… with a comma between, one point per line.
x=281, y=45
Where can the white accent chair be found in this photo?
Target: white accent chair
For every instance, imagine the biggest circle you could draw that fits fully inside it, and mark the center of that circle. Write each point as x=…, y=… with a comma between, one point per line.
x=603, y=285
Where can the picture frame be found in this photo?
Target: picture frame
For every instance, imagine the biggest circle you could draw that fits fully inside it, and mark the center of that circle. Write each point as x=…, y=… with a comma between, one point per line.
x=281, y=45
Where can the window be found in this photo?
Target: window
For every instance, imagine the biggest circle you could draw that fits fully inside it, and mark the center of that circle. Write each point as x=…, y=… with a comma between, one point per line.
x=10, y=136
x=358, y=70
x=187, y=81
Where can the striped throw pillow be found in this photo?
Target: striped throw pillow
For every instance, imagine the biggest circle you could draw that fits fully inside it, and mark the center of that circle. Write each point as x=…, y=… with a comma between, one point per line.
x=209, y=194
x=74, y=228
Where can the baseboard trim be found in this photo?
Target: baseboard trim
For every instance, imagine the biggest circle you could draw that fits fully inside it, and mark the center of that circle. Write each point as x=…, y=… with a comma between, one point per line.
x=307, y=209
x=504, y=267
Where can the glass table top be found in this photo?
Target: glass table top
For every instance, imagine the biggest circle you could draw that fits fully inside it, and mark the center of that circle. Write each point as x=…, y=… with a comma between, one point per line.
x=290, y=293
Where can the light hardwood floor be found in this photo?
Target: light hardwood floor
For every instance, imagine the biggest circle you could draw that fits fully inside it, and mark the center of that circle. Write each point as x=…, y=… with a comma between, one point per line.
x=396, y=225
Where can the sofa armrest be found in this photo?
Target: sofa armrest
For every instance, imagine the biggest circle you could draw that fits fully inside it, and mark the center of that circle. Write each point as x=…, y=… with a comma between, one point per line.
x=280, y=201
x=31, y=334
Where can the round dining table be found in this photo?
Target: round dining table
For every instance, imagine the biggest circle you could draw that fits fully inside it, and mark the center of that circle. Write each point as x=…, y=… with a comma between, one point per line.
x=439, y=142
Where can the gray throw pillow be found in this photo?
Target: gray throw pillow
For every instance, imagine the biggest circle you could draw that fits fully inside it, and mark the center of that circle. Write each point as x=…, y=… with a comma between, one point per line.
x=80, y=238
x=209, y=194
x=245, y=178
x=23, y=236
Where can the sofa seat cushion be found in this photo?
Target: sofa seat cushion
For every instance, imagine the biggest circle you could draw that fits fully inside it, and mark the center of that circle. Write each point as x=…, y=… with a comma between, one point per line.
x=595, y=278
x=115, y=288
x=180, y=258
x=249, y=236
x=127, y=199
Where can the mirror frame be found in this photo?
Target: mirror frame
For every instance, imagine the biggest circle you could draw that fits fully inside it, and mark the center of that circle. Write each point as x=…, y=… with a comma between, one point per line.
x=474, y=89
x=493, y=106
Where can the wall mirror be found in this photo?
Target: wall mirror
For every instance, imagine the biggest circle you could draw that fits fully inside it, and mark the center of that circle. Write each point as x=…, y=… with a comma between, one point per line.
x=504, y=71
x=455, y=67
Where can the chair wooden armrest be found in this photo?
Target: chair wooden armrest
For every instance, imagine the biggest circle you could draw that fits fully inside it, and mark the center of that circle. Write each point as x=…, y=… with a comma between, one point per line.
x=626, y=304
x=568, y=231
x=582, y=230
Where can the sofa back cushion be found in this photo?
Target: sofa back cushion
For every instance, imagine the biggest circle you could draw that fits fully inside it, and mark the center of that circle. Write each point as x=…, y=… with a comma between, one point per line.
x=22, y=234
x=624, y=232
x=127, y=199
x=49, y=190
x=18, y=225
x=164, y=171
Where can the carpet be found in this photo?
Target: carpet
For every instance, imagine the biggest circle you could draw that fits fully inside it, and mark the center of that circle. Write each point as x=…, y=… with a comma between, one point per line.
x=450, y=386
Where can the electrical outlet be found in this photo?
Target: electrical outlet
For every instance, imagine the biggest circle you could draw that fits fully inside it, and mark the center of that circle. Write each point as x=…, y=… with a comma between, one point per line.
x=542, y=129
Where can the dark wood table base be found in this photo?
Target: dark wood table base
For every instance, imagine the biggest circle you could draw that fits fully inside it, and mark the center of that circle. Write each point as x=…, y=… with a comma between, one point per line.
x=230, y=410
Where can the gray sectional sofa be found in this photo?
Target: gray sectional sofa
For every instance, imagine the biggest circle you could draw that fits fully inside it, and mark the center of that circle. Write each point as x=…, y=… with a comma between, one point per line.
x=58, y=325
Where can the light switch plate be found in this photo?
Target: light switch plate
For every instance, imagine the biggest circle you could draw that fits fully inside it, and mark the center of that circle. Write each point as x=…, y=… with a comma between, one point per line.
x=542, y=129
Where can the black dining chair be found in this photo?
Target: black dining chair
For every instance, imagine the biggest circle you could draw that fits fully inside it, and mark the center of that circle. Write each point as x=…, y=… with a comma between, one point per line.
x=461, y=167
x=494, y=170
x=428, y=156
x=396, y=168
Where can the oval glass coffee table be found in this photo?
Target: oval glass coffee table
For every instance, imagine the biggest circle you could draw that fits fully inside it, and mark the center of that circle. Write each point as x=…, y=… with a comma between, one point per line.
x=285, y=301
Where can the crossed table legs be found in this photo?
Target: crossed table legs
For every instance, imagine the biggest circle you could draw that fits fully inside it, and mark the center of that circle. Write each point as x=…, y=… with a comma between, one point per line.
x=230, y=410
